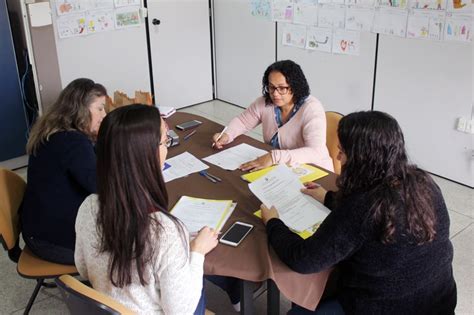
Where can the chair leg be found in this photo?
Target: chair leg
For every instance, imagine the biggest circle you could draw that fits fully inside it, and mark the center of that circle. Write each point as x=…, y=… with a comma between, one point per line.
x=39, y=282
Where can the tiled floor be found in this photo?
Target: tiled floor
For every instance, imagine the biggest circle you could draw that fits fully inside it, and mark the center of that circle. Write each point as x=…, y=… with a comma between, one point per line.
x=15, y=291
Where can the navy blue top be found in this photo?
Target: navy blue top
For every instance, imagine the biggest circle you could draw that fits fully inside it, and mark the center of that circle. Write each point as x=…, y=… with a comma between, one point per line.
x=61, y=175
x=375, y=278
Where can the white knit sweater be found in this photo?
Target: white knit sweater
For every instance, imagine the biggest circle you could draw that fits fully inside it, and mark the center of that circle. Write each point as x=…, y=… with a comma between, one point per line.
x=174, y=276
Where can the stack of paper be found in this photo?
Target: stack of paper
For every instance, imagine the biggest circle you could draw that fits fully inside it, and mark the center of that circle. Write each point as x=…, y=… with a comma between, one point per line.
x=305, y=172
x=166, y=111
x=182, y=165
x=197, y=213
x=281, y=188
x=232, y=158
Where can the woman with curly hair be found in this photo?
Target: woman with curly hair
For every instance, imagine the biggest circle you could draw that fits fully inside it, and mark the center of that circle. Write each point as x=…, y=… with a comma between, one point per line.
x=61, y=169
x=293, y=121
x=388, y=231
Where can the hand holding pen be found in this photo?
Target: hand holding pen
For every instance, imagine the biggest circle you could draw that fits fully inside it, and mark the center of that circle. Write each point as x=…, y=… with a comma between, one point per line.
x=220, y=139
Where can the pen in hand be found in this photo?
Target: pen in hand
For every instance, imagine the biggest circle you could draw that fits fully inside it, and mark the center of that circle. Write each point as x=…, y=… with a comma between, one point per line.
x=219, y=136
x=186, y=137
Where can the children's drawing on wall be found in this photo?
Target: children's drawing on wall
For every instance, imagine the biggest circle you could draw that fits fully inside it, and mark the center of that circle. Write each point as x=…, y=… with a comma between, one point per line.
x=362, y=3
x=127, y=17
x=305, y=12
x=319, y=39
x=294, y=35
x=428, y=4
x=282, y=11
x=390, y=21
x=124, y=3
x=463, y=6
x=346, y=42
x=261, y=8
x=100, y=4
x=458, y=27
x=401, y=4
x=359, y=18
x=425, y=25
x=437, y=25
x=331, y=15
x=71, y=25
x=100, y=21
x=331, y=1
x=70, y=6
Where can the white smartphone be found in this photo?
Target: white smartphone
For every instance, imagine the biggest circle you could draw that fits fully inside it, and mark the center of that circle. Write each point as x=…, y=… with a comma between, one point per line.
x=236, y=233
x=189, y=124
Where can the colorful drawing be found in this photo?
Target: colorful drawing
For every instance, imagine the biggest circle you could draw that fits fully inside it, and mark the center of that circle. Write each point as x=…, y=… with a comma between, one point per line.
x=463, y=6
x=100, y=21
x=319, y=39
x=346, y=42
x=428, y=4
x=401, y=4
x=70, y=6
x=294, y=35
x=282, y=11
x=362, y=3
x=458, y=27
x=71, y=25
x=261, y=8
x=127, y=17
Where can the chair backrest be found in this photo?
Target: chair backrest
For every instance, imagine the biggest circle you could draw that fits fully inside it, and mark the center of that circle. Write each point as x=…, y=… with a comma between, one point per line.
x=81, y=299
x=12, y=188
x=332, y=141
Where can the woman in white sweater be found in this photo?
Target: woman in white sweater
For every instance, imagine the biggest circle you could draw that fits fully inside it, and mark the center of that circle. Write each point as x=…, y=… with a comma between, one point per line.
x=127, y=243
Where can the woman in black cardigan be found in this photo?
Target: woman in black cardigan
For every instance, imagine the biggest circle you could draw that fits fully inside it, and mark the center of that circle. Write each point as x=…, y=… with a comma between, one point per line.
x=388, y=231
x=61, y=170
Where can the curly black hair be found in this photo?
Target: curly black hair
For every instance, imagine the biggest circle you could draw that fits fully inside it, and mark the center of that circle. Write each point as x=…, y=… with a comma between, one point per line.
x=294, y=77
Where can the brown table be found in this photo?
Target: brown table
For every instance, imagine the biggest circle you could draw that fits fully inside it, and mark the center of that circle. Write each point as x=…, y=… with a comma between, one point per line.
x=253, y=260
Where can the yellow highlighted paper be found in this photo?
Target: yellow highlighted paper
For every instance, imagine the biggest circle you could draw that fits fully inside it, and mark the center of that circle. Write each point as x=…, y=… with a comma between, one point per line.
x=305, y=172
x=303, y=234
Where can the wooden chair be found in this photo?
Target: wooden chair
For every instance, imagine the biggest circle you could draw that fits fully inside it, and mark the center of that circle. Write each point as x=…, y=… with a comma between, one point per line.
x=332, y=141
x=81, y=299
x=12, y=188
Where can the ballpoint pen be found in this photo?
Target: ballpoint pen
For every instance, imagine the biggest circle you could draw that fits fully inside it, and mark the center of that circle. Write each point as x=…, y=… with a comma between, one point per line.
x=186, y=137
x=214, y=176
x=219, y=136
x=204, y=173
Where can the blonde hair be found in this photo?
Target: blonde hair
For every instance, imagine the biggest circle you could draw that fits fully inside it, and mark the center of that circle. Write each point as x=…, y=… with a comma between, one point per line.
x=69, y=112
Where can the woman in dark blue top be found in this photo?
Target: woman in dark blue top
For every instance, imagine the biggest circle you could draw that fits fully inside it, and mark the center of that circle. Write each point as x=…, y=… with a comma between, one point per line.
x=388, y=230
x=61, y=169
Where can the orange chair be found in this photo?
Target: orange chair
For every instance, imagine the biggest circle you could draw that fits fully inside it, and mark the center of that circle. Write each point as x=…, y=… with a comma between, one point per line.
x=332, y=141
x=81, y=299
x=12, y=188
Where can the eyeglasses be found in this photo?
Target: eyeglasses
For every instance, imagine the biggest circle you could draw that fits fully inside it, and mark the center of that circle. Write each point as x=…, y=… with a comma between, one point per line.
x=282, y=90
x=168, y=142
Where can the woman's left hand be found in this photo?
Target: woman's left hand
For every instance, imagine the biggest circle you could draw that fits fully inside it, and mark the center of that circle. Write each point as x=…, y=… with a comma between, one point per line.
x=259, y=163
x=268, y=214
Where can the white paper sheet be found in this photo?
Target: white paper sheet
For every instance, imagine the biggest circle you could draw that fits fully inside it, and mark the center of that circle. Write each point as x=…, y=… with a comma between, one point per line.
x=319, y=39
x=331, y=15
x=305, y=13
x=100, y=21
x=197, y=213
x=359, y=18
x=459, y=6
x=232, y=158
x=282, y=11
x=127, y=17
x=40, y=14
x=281, y=188
x=424, y=24
x=71, y=25
x=427, y=4
x=294, y=35
x=400, y=4
x=64, y=7
x=346, y=42
x=390, y=21
x=363, y=3
x=182, y=165
x=261, y=8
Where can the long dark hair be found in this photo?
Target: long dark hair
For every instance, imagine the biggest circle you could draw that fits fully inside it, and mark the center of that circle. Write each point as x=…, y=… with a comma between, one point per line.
x=377, y=164
x=130, y=188
x=294, y=77
x=69, y=112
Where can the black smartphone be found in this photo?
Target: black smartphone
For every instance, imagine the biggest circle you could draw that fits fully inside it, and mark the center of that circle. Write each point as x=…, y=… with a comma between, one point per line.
x=188, y=125
x=236, y=233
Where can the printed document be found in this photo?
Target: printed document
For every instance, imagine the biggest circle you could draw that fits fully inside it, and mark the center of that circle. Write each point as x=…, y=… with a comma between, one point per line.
x=182, y=165
x=232, y=158
x=281, y=188
x=197, y=213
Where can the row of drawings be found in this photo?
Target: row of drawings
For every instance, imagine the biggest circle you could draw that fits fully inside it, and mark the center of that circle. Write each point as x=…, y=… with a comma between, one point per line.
x=327, y=40
x=64, y=7
x=359, y=16
x=95, y=21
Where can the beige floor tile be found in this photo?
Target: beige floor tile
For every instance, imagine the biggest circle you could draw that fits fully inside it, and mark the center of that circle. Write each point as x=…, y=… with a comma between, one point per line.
x=464, y=270
x=458, y=223
x=50, y=306
x=458, y=198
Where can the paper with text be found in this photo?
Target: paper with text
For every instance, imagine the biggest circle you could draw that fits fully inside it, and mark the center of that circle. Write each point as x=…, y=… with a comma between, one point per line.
x=232, y=158
x=182, y=165
x=281, y=188
x=197, y=213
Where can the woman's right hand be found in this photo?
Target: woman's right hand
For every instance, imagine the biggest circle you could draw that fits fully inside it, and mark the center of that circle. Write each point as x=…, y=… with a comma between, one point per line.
x=315, y=190
x=223, y=140
x=205, y=241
